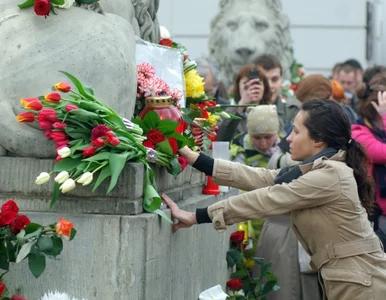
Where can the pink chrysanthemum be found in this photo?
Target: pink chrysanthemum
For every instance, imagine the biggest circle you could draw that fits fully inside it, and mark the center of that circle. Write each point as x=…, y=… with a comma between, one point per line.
x=176, y=95
x=146, y=69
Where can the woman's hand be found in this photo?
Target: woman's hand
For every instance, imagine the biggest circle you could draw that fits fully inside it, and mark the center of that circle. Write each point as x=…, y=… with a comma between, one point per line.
x=188, y=154
x=185, y=219
x=381, y=106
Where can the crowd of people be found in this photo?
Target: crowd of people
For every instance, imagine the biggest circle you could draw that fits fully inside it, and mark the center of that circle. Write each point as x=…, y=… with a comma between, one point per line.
x=314, y=169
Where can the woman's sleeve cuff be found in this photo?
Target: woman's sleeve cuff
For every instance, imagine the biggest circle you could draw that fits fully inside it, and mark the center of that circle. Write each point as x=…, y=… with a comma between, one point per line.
x=202, y=216
x=204, y=163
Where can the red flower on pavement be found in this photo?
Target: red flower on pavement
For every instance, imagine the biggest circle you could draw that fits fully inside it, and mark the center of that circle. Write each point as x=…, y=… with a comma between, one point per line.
x=173, y=143
x=7, y=217
x=53, y=97
x=166, y=42
x=155, y=136
x=26, y=117
x=42, y=7
x=10, y=205
x=89, y=151
x=237, y=237
x=19, y=223
x=98, y=131
x=31, y=103
x=62, y=87
x=235, y=284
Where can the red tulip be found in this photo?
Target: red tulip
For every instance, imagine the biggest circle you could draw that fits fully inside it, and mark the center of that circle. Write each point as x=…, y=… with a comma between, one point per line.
x=59, y=125
x=63, y=87
x=44, y=125
x=53, y=97
x=31, y=103
x=58, y=136
x=112, y=139
x=47, y=114
x=18, y=297
x=71, y=107
x=99, y=142
x=89, y=151
x=25, y=117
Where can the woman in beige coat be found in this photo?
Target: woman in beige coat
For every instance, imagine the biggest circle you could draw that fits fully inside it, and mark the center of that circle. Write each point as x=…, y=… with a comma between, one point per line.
x=327, y=195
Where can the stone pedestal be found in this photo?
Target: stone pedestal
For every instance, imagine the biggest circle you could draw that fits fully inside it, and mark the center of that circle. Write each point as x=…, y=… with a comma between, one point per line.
x=120, y=253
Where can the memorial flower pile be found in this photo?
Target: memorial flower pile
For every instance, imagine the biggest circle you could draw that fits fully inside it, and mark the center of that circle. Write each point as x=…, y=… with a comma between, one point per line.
x=93, y=143
x=21, y=239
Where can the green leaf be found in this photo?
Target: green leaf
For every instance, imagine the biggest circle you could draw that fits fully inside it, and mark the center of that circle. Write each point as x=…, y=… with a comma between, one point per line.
x=32, y=227
x=117, y=162
x=26, y=4
x=163, y=215
x=11, y=248
x=104, y=173
x=276, y=288
x=4, y=260
x=167, y=126
x=175, y=167
x=57, y=245
x=268, y=287
x=265, y=269
x=151, y=120
x=164, y=147
x=100, y=156
x=77, y=83
x=91, y=106
x=239, y=274
x=57, y=2
x=45, y=244
x=233, y=256
x=72, y=234
x=182, y=140
x=151, y=199
x=55, y=195
x=259, y=260
x=36, y=263
x=78, y=133
x=33, y=234
x=24, y=251
x=66, y=164
x=89, y=89
x=84, y=115
x=137, y=120
x=76, y=145
x=86, y=1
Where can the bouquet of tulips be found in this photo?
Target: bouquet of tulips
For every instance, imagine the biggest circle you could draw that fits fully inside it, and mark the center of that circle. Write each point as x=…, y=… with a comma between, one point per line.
x=93, y=140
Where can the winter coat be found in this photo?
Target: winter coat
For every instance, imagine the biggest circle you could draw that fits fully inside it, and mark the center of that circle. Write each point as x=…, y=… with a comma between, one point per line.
x=327, y=218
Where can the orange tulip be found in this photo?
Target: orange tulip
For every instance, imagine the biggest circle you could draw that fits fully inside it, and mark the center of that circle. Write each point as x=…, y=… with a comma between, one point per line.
x=63, y=87
x=31, y=103
x=63, y=227
x=53, y=97
x=26, y=117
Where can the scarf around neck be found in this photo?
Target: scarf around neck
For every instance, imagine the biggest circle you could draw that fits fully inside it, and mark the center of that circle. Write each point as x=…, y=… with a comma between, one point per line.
x=286, y=175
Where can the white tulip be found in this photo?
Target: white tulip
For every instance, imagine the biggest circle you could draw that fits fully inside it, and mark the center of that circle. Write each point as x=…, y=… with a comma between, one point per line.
x=42, y=178
x=67, y=186
x=85, y=179
x=164, y=33
x=66, y=4
x=62, y=177
x=224, y=115
x=64, y=152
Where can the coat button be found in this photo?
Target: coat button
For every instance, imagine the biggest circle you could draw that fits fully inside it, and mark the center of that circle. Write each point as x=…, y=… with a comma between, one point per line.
x=217, y=223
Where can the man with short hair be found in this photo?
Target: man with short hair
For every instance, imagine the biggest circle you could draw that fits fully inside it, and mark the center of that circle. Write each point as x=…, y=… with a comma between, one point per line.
x=348, y=78
x=273, y=71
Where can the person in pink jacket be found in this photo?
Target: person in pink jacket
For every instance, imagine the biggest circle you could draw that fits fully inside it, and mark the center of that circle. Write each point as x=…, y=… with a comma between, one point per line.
x=370, y=131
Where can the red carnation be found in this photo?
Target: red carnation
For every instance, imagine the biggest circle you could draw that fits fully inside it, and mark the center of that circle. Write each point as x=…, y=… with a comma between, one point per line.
x=42, y=7
x=89, y=151
x=99, y=131
x=237, y=237
x=235, y=284
x=183, y=162
x=155, y=136
x=10, y=205
x=19, y=223
x=173, y=143
x=6, y=218
x=166, y=42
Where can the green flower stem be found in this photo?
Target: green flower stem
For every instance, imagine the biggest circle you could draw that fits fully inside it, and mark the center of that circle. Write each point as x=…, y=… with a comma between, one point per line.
x=105, y=163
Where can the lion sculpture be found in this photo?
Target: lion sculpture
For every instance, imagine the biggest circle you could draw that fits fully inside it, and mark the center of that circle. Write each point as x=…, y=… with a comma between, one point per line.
x=95, y=43
x=245, y=29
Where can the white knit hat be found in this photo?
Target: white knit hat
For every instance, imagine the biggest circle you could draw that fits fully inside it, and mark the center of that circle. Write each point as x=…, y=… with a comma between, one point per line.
x=263, y=119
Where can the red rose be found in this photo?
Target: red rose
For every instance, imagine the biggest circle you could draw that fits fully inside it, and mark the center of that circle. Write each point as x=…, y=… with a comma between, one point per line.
x=173, y=143
x=183, y=162
x=182, y=127
x=235, y=284
x=166, y=42
x=148, y=144
x=237, y=237
x=18, y=297
x=2, y=288
x=89, y=151
x=10, y=205
x=99, y=131
x=155, y=136
x=7, y=218
x=42, y=7
x=19, y=223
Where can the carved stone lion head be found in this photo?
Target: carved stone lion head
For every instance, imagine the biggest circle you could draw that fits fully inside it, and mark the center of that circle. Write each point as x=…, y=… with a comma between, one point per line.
x=245, y=29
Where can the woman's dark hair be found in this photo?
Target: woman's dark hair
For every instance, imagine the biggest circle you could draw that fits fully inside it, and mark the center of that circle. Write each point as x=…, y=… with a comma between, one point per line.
x=327, y=122
x=244, y=72
x=368, y=93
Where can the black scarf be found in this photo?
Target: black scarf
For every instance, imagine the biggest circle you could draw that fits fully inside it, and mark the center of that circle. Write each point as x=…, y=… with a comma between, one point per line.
x=286, y=175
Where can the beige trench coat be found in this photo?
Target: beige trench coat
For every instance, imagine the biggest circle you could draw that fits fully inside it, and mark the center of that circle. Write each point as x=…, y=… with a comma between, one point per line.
x=327, y=217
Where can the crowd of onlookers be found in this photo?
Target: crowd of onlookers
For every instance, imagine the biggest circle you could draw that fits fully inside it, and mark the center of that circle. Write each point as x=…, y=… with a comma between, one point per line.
x=258, y=139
